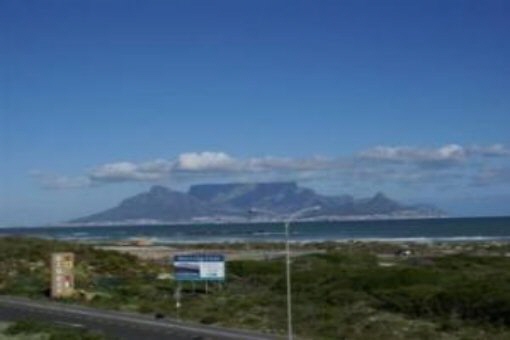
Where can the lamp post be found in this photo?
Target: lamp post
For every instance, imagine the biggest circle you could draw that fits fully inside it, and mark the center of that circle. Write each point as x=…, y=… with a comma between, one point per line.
x=287, y=222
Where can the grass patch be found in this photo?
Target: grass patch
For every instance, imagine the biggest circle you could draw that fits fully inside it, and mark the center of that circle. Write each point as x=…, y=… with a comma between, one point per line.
x=28, y=329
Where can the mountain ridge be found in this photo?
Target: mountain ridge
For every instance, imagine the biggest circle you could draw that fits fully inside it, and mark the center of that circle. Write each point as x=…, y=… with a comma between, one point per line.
x=233, y=202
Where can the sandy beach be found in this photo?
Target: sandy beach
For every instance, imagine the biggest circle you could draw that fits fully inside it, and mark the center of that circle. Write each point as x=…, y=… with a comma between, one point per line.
x=267, y=251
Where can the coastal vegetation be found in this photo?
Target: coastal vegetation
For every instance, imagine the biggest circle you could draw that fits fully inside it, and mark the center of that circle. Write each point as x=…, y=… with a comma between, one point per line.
x=35, y=330
x=348, y=291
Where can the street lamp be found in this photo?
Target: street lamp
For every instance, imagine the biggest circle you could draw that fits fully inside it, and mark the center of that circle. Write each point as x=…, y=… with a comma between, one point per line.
x=290, y=218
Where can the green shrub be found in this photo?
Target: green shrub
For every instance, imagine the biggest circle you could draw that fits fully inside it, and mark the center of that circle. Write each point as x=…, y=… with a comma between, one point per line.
x=53, y=332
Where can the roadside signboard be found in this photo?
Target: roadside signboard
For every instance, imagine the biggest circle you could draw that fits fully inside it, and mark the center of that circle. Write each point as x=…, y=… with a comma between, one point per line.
x=199, y=267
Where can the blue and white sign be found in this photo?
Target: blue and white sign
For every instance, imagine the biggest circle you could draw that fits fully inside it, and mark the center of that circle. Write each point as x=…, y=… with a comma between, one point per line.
x=199, y=267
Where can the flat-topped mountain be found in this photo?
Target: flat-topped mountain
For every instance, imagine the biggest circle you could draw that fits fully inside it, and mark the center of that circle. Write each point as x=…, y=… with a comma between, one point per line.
x=233, y=201
x=280, y=197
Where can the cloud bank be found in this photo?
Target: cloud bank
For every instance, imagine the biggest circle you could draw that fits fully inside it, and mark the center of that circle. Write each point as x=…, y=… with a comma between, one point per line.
x=403, y=164
x=446, y=155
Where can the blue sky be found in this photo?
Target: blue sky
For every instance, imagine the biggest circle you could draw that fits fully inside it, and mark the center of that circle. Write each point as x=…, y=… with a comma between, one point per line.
x=101, y=99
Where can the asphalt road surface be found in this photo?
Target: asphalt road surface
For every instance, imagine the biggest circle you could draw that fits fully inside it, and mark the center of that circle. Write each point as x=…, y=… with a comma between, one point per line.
x=116, y=325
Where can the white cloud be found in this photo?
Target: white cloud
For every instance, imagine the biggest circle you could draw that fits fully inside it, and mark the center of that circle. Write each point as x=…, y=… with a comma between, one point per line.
x=289, y=164
x=495, y=150
x=206, y=161
x=57, y=182
x=447, y=153
x=220, y=161
x=128, y=171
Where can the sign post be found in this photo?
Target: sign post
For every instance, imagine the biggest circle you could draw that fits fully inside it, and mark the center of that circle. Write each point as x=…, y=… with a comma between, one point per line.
x=199, y=267
x=177, y=296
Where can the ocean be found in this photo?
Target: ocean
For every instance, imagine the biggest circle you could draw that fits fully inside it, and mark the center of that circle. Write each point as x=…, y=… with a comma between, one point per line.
x=418, y=230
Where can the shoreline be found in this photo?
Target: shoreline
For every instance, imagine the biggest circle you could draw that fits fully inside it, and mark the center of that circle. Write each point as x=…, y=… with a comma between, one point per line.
x=127, y=224
x=155, y=241
x=275, y=250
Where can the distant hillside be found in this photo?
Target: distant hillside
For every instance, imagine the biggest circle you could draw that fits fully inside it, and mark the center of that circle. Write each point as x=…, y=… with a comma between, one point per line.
x=213, y=202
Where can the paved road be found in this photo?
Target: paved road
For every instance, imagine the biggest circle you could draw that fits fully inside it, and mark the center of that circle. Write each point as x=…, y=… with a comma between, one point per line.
x=118, y=325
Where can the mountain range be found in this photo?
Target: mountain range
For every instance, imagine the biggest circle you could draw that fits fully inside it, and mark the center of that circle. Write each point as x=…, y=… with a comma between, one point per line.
x=244, y=202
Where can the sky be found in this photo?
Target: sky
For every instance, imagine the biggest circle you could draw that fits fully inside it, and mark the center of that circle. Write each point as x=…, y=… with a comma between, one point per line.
x=99, y=100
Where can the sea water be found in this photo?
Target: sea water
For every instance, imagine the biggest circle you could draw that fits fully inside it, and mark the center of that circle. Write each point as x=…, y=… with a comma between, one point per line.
x=417, y=230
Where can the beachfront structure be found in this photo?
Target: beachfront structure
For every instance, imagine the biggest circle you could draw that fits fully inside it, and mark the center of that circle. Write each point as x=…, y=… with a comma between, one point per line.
x=62, y=275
